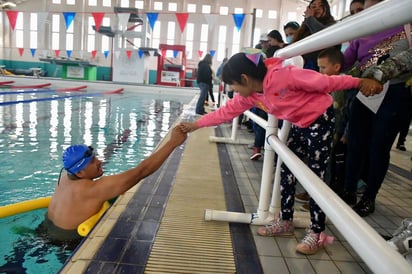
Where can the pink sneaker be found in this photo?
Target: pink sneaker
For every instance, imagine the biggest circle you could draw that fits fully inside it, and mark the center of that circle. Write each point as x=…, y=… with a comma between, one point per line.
x=256, y=154
x=277, y=228
x=312, y=242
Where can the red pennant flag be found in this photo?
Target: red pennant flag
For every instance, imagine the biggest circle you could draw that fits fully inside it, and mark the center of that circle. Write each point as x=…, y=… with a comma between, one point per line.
x=129, y=53
x=182, y=19
x=98, y=19
x=21, y=50
x=12, y=15
x=57, y=52
x=200, y=53
x=94, y=52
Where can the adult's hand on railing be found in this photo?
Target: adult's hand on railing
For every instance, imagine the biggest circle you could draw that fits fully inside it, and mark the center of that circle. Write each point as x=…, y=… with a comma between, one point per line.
x=369, y=87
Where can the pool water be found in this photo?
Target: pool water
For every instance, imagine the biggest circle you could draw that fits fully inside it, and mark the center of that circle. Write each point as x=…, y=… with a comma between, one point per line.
x=123, y=129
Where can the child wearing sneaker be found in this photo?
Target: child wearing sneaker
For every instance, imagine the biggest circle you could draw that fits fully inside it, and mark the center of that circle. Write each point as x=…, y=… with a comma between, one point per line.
x=302, y=97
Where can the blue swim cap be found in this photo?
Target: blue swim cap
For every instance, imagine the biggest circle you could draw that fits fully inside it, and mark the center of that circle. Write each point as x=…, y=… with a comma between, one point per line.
x=77, y=157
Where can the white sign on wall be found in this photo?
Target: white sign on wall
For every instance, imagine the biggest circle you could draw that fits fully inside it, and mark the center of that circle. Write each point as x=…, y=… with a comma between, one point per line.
x=75, y=72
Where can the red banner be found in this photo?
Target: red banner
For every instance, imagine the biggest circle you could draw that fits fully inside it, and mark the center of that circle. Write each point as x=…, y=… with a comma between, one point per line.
x=94, y=52
x=129, y=53
x=21, y=50
x=57, y=52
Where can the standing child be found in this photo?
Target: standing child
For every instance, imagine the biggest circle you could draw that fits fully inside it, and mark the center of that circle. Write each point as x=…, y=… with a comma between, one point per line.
x=302, y=97
x=330, y=62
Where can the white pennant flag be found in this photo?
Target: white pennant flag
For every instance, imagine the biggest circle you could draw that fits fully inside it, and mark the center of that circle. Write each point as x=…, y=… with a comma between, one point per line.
x=123, y=20
x=117, y=54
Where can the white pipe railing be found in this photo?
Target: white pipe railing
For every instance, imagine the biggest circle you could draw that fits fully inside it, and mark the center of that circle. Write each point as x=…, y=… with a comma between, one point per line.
x=370, y=246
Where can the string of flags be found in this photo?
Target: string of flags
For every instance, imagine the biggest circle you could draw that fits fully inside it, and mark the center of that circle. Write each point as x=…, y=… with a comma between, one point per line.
x=182, y=19
x=152, y=17
x=93, y=53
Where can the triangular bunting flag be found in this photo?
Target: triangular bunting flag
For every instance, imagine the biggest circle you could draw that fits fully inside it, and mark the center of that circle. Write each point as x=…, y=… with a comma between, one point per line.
x=123, y=20
x=152, y=16
x=94, y=52
x=200, y=53
x=151, y=52
x=140, y=52
x=117, y=55
x=33, y=52
x=21, y=50
x=68, y=18
x=69, y=53
x=98, y=19
x=182, y=20
x=57, y=52
x=106, y=53
x=238, y=18
x=129, y=53
x=212, y=53
x=175, y=53
x=81, y=53
x=12, y=15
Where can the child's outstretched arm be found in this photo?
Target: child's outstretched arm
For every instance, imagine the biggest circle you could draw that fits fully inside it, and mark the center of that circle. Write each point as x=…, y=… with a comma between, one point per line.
x=369, y=87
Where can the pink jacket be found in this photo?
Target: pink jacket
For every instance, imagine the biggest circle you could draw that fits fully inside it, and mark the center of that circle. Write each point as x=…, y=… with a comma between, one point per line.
x=290, y=93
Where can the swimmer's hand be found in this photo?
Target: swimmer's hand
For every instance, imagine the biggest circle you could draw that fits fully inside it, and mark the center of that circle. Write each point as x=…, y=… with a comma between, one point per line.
x=178, y=136
x=369, y=87
x=188, y=126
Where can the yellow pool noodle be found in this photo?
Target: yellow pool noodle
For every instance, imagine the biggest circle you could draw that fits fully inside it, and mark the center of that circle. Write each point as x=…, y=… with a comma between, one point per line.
x=25, y=206
x=84, y=228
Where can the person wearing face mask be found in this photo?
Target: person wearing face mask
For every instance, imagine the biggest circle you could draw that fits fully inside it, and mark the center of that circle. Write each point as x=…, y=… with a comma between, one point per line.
x=290, y=30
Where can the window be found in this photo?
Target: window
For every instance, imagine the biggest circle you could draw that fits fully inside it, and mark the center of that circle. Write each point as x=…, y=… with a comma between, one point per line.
x=55, y=31
x=92, y=3
x=33, y=30
x=172, y=7
x=171, y=26
x=71, y=2
x=158, y=6
x=204, y=33
x=221, y=46
x=19, y=31
x=191, y=8
x=259, y=13
x=107, y=3
x=224, y=10
x=236, y=41
x=139, y=4
x=105, y=39
x=156, y=35
x=91, y=35
x=56, y=2
x=124, y=3
x=272, y=14
x=190, y=27
x=69, y=37
x=238, y=10
x=206, y=8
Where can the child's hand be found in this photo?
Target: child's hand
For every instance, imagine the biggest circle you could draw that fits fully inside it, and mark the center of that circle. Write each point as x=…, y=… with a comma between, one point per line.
x=188, y=127
x=369, y=86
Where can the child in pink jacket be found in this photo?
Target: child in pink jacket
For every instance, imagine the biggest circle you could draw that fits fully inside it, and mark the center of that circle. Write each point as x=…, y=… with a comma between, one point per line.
x=302, y=97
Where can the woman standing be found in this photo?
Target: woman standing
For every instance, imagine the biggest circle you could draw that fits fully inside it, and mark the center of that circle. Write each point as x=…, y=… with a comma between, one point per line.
x=204, y=81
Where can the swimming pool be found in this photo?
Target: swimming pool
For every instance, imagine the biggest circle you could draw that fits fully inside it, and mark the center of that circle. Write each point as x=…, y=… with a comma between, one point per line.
x=123, y=129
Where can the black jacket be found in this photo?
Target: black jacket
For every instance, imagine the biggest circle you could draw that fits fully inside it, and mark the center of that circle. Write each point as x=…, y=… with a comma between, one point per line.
x=204, y=73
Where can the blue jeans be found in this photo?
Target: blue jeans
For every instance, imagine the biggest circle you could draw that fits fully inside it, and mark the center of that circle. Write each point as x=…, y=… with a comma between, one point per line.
x=204, y=89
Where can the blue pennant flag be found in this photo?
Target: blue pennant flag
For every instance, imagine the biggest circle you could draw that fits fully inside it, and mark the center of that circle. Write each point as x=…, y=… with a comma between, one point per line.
x=68, y=18
x=238, y=20
x=152, y=16
x=33, y=52
x=140, y=52
x=106, y=53
x=212, y=53
x=69, y=53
